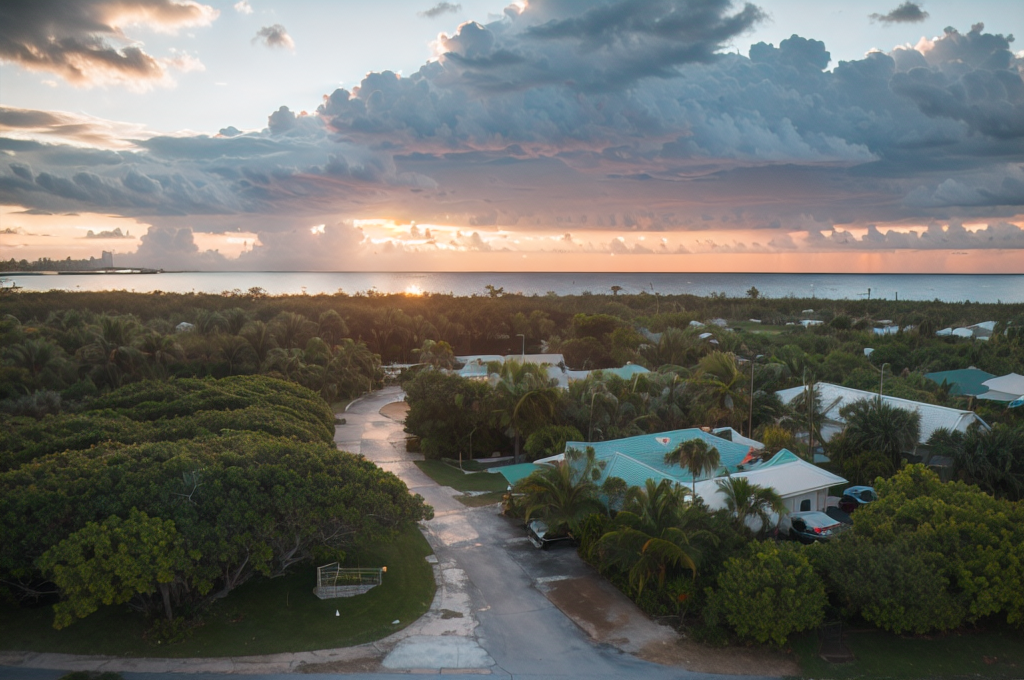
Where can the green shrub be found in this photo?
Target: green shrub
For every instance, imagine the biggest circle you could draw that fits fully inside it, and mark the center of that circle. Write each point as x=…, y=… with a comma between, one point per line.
x=768, y=594
x=897, y=586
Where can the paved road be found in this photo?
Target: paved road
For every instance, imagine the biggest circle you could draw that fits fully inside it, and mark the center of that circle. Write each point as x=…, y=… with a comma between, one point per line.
x=489, y=616
x=520, y=632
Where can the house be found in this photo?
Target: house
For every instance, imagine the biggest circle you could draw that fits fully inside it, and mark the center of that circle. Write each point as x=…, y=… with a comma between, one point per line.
x=803, y=486
x=978, y=331
x=475, y=366
x=966, y=382
x=933, y=417
x=1004, y=388
x=642, y=457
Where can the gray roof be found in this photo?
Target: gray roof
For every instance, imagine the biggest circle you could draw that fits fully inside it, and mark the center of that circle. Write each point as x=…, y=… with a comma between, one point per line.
x=834, y=397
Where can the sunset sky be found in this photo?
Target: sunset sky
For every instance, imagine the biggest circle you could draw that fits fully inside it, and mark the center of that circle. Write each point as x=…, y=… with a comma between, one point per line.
x=549, y=135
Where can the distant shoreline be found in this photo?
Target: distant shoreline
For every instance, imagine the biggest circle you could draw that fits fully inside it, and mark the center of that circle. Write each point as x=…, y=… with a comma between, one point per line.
x=88, y=272
x=992, y=288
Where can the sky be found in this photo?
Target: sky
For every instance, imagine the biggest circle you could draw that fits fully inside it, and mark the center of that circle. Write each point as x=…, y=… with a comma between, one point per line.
x=548, y=135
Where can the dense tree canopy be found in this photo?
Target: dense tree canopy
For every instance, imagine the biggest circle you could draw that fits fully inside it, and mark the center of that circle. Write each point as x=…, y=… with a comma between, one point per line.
x=241, y=491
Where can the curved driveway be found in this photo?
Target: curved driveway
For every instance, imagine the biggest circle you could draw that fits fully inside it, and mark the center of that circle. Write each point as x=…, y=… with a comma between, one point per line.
x=487, y=569
x=490, y=615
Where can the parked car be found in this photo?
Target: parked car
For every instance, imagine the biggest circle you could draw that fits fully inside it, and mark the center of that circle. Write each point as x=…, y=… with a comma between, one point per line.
x=542, y=537
x=855, y=497
x=810, y=526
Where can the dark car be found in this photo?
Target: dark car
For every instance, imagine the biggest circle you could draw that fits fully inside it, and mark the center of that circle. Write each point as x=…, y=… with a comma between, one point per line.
x=855, y=497
x=542, y=538
x=810, y=526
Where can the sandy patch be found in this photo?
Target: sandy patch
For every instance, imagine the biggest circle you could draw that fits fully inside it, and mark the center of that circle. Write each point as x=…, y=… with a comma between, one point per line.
x=396, y=411
x=610, y=617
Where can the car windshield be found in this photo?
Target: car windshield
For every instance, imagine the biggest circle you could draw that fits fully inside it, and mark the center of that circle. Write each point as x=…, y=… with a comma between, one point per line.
x=819, y=520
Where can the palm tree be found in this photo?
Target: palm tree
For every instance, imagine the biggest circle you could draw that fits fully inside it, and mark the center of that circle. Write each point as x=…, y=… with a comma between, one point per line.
x=259, y=337
x=723, y=389
x=992, y=459
x=652, y=534
x=696, y=456
x=292, y=330
x=210, y=322
x=160, y=351
x=675, y=348
x=331, y=327
x=236, y=352
x=875, y=425
x=745, y=500
x=525, y=398
x=563, y=495
x=236, y=318
x=35, y=356
x=438, y=354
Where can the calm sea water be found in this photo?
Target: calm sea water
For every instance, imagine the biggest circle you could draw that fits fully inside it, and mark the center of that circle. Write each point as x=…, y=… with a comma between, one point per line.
x=947, y=287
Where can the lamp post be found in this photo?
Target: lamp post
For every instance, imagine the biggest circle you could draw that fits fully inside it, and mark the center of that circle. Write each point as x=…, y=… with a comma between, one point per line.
x=750, y=420
x=881, y=372
x=470, y=447
x=520, y=335
x=881, y=381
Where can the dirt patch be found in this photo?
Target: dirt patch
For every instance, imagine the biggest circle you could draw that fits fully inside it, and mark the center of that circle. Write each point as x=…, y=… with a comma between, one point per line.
x=700, y=658
x=586, y=602
x=396, y=411
x=610, y=617
x=370, y=664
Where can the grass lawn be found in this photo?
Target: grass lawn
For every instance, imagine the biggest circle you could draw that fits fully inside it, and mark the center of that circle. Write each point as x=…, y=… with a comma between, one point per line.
x=264, y=616
x=446, y=475
x=480, y=500
x=994, y=653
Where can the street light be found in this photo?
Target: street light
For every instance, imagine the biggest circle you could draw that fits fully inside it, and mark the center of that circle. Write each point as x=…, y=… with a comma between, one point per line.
x=750, y=422
x=881, y=372
x=520, y=335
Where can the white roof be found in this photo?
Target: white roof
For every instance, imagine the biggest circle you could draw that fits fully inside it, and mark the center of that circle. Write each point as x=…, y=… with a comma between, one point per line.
x=963, y=332
x=1004, y=388
x=735, y=437
x=984, y=325
x=795, y=478
x=834, y=397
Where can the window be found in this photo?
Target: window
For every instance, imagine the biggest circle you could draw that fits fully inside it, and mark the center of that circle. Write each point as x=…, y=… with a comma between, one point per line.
x=805, y=505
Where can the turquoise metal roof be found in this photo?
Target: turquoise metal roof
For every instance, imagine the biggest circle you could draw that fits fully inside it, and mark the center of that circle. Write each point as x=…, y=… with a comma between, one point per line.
x=625, y=372
x=632, y=471
x=781, y=458
x=966, y=381
x=643, y=457
x=513, y=473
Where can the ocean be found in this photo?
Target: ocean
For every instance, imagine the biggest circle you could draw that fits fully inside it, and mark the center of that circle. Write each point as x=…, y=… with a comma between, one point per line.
x=946, y=287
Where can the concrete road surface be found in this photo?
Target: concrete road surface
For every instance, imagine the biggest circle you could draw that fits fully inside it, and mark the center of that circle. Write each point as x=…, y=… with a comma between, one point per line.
x=489, y=617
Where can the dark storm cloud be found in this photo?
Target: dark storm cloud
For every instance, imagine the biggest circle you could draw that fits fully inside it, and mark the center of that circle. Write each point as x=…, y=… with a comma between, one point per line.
x=907, y=13
x=274, y=36
x=440, y=9
x=74, y=39
x=603, y=46
x=510, y=127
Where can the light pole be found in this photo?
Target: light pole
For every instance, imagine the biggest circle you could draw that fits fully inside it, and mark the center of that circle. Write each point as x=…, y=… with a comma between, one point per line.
x=881, y=381
x=520, y=335
x=470, y=447
x=881, y=372
x=750, y=421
